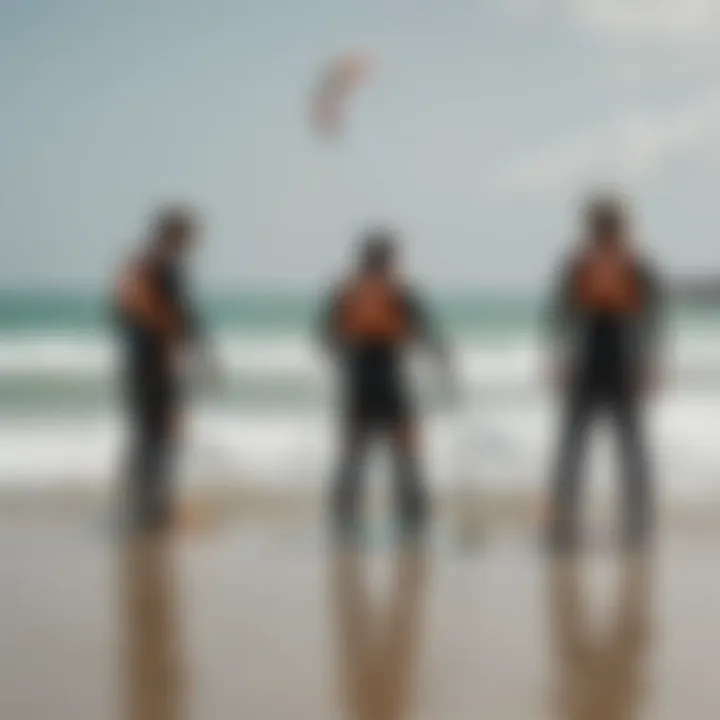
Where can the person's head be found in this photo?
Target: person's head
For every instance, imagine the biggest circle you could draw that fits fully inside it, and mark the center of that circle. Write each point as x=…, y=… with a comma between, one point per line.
x=378, y=252
x=173, y=233
x=606, y=221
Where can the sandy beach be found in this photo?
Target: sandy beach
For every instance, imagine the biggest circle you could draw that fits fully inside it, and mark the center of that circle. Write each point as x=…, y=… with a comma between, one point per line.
x=242, y=241
x=258, y=618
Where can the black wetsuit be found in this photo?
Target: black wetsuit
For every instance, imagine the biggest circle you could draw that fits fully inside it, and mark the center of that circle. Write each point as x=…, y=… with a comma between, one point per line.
x=608, y=355
x=376, y=397
x=153, y=393
x=375, y=386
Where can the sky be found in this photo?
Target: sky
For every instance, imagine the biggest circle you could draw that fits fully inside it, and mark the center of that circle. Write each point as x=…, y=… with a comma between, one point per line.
x=483, y=127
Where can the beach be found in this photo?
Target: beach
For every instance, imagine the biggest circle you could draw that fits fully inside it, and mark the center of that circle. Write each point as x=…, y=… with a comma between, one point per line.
x=252, y=614
x=261, y=618
x=242, y=242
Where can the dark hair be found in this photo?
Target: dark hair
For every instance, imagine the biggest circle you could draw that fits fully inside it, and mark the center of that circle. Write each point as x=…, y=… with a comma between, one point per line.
x=378, y=249
x=605, y=215
x=173, y=224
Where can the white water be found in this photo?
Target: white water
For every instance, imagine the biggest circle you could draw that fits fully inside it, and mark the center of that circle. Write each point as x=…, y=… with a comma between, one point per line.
x=500, y=445
x=514, y=363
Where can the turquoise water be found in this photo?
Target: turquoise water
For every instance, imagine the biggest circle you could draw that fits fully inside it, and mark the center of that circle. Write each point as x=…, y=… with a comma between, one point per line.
x=83, y=312
x=60, y=406
x=251, y=312
x=57, y=350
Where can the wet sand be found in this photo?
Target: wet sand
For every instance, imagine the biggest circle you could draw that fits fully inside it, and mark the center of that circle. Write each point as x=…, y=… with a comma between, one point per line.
x=261, y=620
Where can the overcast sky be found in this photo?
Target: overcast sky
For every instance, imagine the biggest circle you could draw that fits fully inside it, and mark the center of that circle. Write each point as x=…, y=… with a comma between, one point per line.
x=485, y=122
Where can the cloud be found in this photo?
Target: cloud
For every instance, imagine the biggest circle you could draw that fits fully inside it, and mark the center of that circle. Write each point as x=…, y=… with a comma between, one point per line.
x=686, y=21
x=661, y=19
x=626, y=150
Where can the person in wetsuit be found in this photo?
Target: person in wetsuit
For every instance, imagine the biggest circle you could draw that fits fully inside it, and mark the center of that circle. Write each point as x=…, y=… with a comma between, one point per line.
x=157, y=324
x=371, y=321
x=604, y=328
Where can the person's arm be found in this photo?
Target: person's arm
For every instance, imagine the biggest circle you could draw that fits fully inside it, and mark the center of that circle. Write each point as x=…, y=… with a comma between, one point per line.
x=558, y=320
x=193, y=322
x=327, y=329
x=425, y=328
x=201, y=349
x=136, y=297
x=652, y=322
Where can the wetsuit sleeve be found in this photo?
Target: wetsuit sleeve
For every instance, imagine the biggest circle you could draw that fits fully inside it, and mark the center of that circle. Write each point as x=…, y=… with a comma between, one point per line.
x=651, y=326
x=425, y=328
x=327, y=322
x=194, y=322
x=136, y=297
x=196, y=338
x=558, y=324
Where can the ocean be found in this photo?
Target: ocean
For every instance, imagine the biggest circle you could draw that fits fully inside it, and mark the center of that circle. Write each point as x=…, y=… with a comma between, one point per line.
x=270, y=425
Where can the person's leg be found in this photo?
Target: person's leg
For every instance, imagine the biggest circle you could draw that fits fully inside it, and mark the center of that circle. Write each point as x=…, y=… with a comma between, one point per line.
x=162, y=462
x=152, y=458
x=578, y=413
x=411, y=497
x=134, y=495
x=348, y=477
x=149, y=479
x=169, y=438
x=635, y=475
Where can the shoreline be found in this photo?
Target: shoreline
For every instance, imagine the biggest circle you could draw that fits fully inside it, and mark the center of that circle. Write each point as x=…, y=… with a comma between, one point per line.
x=488, y=507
